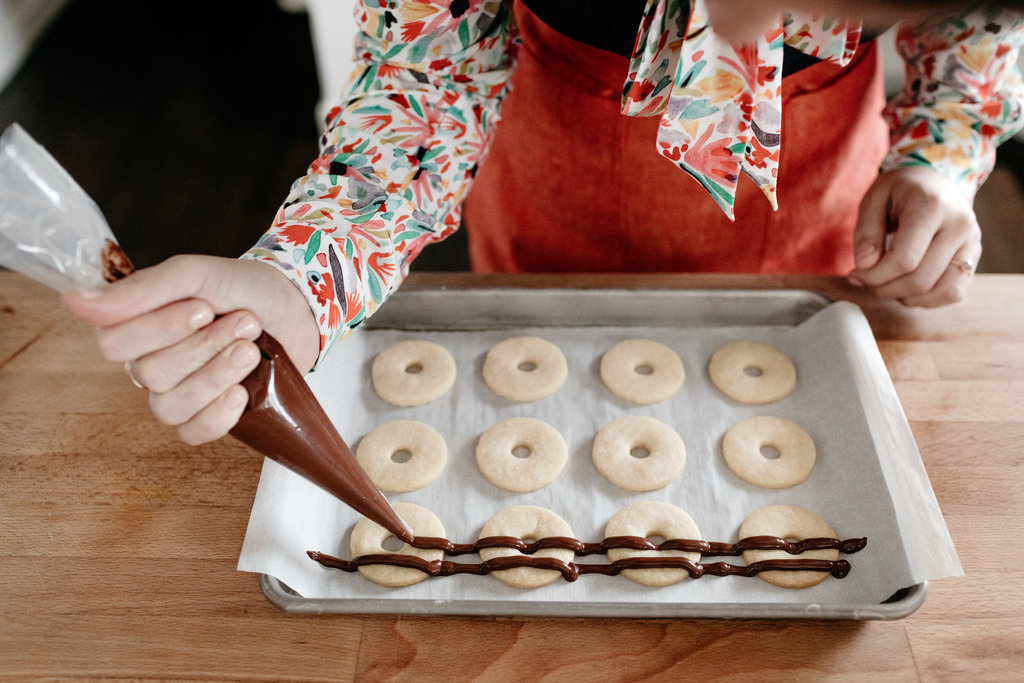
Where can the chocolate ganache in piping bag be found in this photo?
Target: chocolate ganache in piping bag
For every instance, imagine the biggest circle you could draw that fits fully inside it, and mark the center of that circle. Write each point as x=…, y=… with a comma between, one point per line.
x=284, y=421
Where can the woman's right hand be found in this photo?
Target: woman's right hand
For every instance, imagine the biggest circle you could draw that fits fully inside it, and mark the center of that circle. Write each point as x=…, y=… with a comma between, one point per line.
x=187, y=327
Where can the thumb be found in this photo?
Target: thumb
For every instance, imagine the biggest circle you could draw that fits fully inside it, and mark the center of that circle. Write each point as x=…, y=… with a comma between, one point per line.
x=872, y=227
x=143, y=291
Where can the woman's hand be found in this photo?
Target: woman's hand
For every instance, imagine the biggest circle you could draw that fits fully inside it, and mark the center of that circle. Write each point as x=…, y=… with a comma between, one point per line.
x=187, y=326
x=935, y=239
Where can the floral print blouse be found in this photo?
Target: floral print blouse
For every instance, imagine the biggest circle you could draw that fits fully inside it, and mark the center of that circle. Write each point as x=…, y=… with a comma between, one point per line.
x=401, y=148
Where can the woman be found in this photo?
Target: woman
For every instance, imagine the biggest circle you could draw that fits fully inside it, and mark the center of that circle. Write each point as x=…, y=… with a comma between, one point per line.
x=400, y=153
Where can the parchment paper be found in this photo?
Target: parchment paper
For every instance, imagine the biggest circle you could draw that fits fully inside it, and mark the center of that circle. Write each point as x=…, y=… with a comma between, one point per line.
x=868, y=479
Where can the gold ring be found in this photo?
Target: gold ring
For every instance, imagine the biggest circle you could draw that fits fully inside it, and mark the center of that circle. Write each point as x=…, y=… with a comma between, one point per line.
x=131, y=375
x=965, y=265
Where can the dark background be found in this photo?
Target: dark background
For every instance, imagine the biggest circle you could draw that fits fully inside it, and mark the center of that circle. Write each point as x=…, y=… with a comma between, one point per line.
x=185, y=121
x=188, y=121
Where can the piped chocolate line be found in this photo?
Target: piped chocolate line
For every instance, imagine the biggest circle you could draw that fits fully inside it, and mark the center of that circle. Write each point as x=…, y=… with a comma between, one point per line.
x=571, y=571
x=639, y=543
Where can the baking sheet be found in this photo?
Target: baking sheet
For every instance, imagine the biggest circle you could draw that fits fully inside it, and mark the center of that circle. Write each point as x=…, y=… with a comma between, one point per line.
x=867, y=481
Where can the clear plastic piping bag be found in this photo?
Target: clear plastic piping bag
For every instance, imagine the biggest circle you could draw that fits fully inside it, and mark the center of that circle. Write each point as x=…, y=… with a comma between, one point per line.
x=50, y=229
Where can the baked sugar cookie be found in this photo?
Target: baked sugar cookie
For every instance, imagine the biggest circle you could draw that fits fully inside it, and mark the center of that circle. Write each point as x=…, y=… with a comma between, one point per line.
x=649, y=519
x=521, y=454
x=642, y=371
x=414, y=372
x=525, y=368
x=528, y=523
x=748, y=444
x=403, y=455
x=370, y=538
x=793, y=524
x=639, y=453
x=752, y=373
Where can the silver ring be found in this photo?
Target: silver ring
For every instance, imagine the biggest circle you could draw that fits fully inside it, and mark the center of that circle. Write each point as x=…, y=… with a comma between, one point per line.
x=965, y=265
x=131, y=375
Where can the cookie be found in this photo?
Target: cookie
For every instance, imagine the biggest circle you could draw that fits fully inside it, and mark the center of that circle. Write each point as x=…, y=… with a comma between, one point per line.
x=524, y=368
x=527, y=523
x=369, y=538
x=748, y=447
x=413, y=372
x=401, y=456
x=649, y=519
x=639, y=453
x=521, y=454
x=752, y=373
x=642, y=371
x=794, y=524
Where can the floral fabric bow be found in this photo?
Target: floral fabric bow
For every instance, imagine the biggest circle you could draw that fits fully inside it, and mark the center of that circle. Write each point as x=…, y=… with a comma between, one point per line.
x=721, y=104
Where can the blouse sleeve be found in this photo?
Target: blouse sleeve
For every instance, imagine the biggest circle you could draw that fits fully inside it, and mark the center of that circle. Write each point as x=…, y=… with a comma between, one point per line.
x=962, y=97
x=396, y=158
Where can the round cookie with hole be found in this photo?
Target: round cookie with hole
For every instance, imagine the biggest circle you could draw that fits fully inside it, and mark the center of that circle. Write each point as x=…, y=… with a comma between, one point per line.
x=639, y=453
x=413, y=372
x=769, y=452
x=790, y=523
x=656, y=521
x=370, y=538
x=521, y=454
x=642, y=371
x=403, y=455
x=528, y=523
x=752, y=373
x=525, y=369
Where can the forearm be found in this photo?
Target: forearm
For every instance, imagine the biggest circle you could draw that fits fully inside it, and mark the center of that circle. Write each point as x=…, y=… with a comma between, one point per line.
x=963, y=94
x=396, y=159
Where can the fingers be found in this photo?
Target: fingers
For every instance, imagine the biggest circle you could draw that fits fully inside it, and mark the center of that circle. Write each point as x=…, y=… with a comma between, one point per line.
x=216, y=419
x=205, y=405
x=916, y=219
x=952, y=285
x=934, y=226
x=194, y=383
x=176, y=279
x=193, y=375
x=920, y=250
x=162, y=297
x=869, y=236
x=186, y=399
x=155, y=330
x=162, y=365
x=926, y=266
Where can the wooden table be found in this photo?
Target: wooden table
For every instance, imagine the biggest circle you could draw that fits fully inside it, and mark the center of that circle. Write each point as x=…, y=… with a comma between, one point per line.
x=118, y=544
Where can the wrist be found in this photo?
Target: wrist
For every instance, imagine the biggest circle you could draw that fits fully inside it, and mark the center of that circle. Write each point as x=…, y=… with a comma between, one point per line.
x=288, y=316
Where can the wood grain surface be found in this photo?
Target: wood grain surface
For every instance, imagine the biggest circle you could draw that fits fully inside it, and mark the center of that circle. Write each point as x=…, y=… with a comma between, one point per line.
x=118, y=544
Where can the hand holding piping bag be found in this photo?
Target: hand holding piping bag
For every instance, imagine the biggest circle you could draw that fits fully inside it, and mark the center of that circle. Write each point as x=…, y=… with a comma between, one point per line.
x=187, y=323
x=163, y=322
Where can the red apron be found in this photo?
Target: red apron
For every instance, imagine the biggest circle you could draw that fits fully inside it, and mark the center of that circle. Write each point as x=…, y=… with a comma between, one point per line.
x=570, y=184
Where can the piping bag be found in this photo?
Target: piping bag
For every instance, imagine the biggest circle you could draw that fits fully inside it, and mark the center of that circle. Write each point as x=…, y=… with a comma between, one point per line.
x=51, y=231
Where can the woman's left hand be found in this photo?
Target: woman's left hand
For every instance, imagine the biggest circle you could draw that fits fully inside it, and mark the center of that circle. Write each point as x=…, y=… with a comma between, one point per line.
x=935, y=239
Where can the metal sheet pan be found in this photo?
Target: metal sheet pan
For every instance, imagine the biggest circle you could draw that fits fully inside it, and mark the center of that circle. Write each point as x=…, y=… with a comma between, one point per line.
x=498, y=309
x=902, y=603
